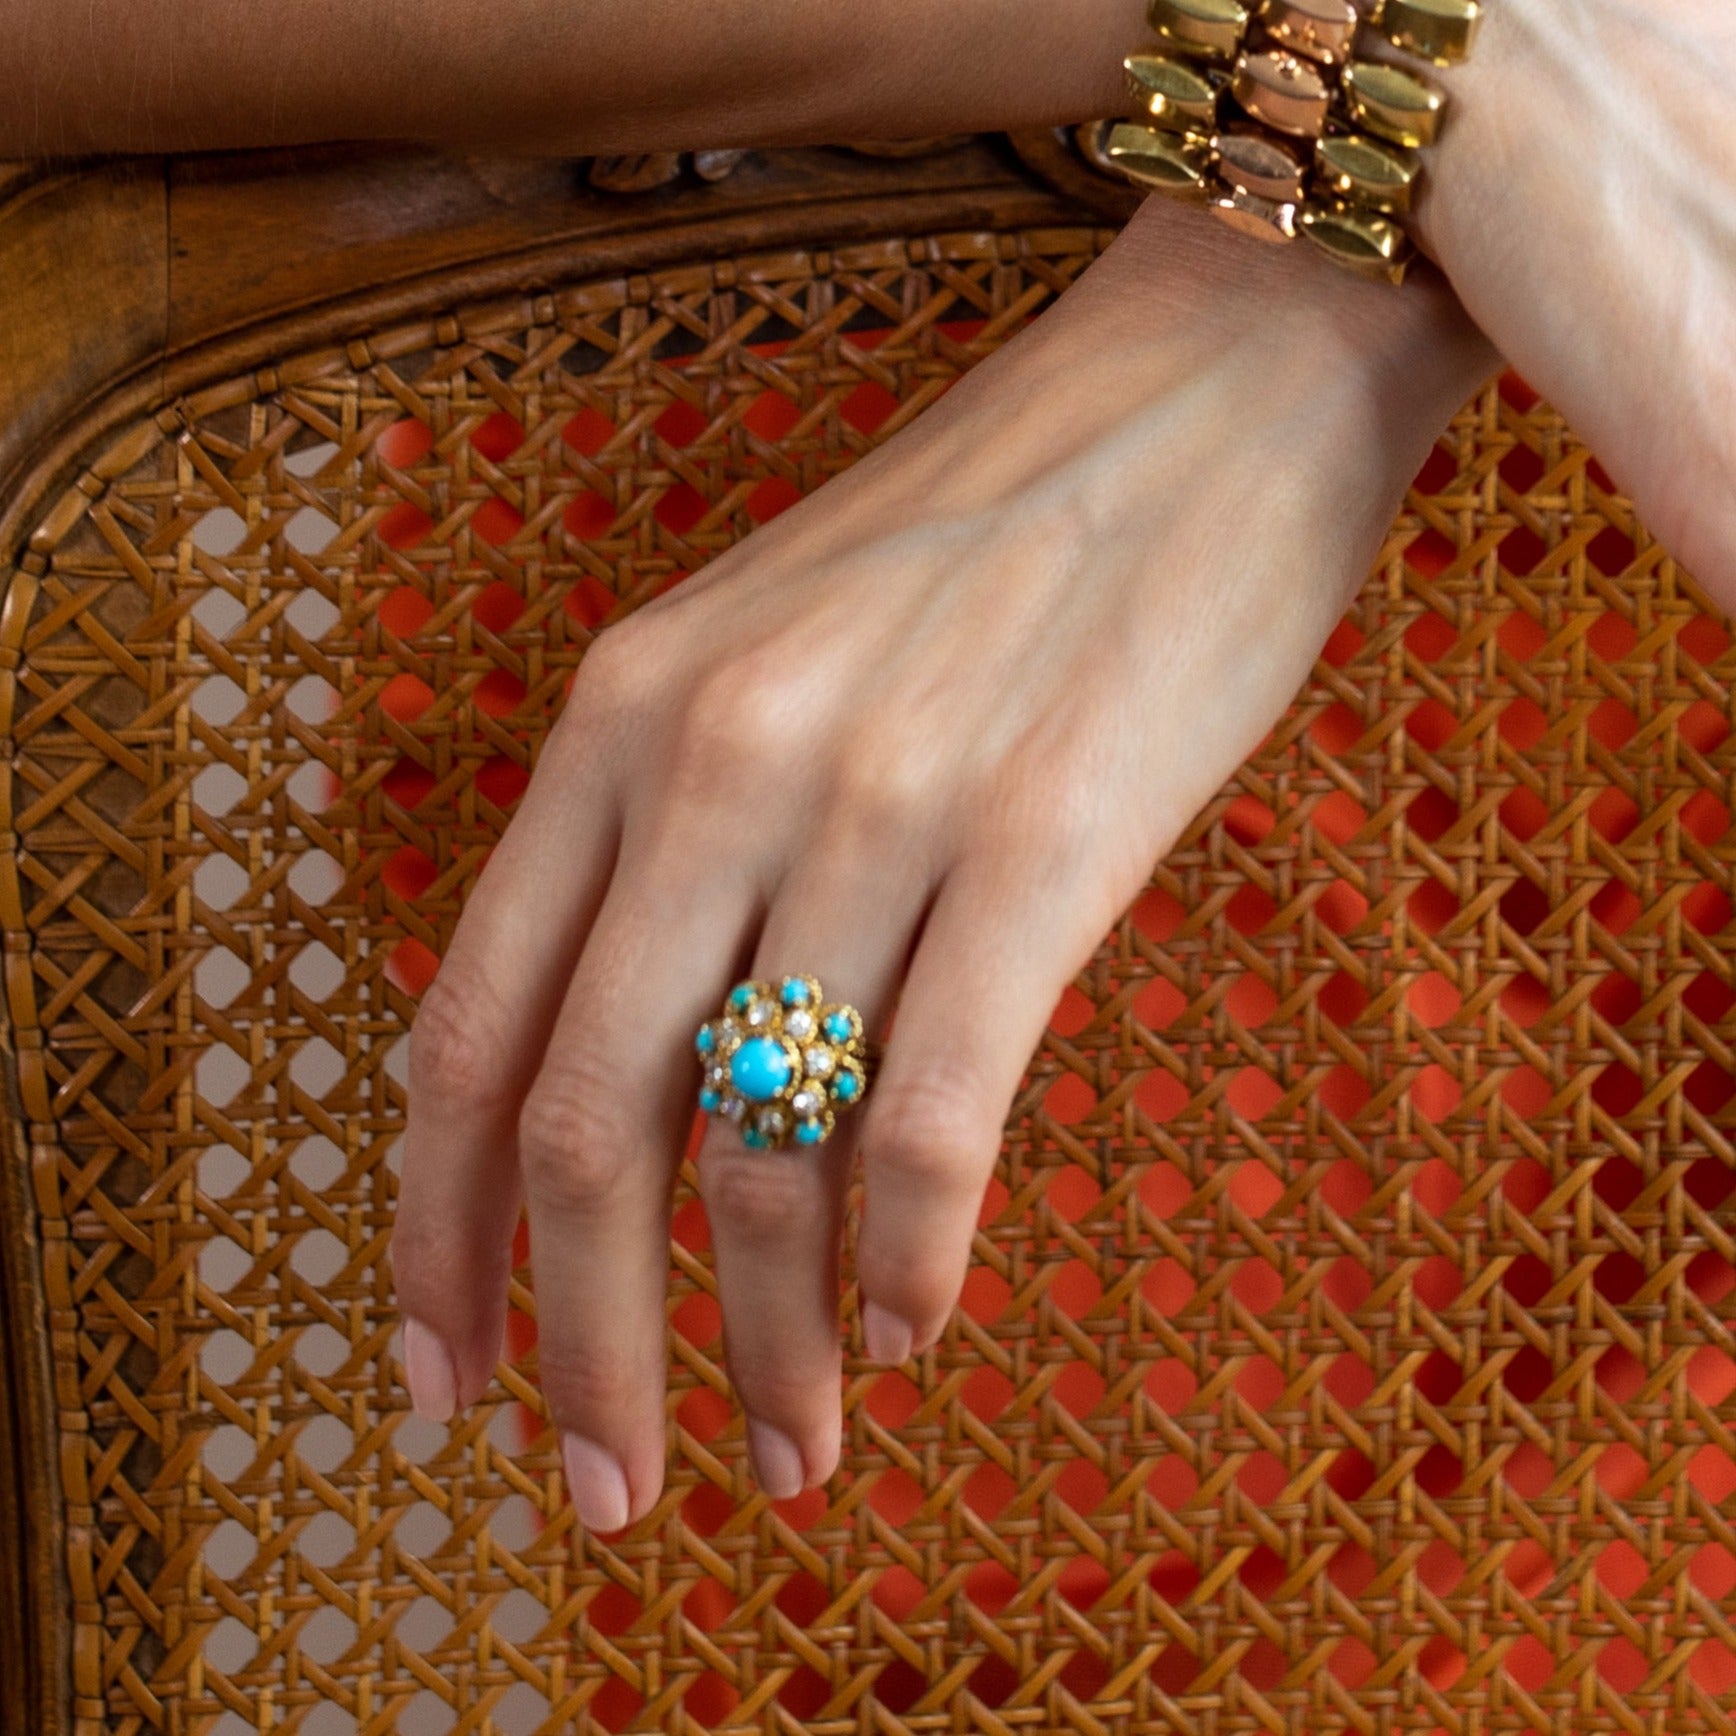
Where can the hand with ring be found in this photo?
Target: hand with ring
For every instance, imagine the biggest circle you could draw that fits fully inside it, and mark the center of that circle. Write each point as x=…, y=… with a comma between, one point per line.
x=921, y=739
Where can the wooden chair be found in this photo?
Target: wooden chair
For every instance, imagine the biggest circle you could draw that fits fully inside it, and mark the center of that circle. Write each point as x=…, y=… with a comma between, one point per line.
x=1349, y=1345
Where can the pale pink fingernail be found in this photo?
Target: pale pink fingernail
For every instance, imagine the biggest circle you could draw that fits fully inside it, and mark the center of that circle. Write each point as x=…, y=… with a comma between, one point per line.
x=777, y=1460
x=596, y=1483
x=886, y=1337
x=431, y=1374
x=826, y=1448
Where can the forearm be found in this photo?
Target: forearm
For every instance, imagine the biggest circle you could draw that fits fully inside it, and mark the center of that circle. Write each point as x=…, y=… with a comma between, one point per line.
x=578, y=76
x=1583, y=202
x=1616, y=114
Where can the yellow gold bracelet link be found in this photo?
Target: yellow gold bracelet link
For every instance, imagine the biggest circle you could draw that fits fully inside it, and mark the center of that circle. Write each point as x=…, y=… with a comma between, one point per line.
x=1267, y=112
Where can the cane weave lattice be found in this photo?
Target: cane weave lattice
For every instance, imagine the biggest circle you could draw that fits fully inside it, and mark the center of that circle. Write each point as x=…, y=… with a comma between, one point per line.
x=1349, y=1343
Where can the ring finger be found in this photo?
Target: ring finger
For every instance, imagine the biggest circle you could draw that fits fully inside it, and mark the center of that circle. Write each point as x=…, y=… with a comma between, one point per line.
x=776, y=1214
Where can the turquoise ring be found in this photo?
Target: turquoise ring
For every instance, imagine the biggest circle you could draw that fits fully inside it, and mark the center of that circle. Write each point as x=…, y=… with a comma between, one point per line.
x=781, y=1061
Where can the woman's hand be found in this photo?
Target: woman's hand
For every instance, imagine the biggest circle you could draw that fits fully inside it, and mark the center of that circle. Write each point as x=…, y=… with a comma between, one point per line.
x=922, y=737
x=1583, y=202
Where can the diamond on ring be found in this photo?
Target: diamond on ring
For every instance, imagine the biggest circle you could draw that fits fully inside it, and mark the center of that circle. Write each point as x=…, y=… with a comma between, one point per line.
x=781, y=1062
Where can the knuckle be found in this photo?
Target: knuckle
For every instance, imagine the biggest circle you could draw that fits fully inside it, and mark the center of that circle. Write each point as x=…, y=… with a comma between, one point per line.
x=755, y=1198
x=1044, y=837
x=439, y=1274
x=783, y=1390
x=1077, y=869
x=588, y=1380
x=931, y=1135
x=739, y=723
x=1071, y=831
x=617, y=673
x=1042, y=813
x=573, y=1141
x=458, y=1053
x=883, y=789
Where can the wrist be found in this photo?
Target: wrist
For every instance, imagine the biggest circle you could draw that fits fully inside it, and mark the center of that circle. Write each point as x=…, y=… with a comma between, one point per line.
x=1310, y=338
x=1271, y=365
x=1466, y=163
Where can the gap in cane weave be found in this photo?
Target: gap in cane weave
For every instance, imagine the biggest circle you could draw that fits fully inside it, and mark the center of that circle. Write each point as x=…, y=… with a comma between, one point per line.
x=1348, y=1345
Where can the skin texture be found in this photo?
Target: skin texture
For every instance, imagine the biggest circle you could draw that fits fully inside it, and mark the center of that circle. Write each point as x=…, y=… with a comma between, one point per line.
x=547, y=75
x=929, y=730
x=1583, y=203
x=971, y=691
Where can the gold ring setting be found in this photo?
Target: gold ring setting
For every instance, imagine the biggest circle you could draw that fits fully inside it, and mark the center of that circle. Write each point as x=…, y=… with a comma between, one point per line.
x=781, y=1061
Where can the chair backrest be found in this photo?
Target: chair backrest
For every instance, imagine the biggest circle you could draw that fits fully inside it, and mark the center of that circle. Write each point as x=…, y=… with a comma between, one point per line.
x=1349, y=1344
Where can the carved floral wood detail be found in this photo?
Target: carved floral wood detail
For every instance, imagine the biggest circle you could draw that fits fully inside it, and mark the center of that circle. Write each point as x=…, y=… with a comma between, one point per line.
x=1070, y=159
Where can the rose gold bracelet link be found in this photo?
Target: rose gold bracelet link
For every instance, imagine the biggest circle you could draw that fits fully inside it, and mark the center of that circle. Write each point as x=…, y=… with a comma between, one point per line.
x=1257, y=163
x=1263, y=219
x=1323, y=31
x=1284, y=91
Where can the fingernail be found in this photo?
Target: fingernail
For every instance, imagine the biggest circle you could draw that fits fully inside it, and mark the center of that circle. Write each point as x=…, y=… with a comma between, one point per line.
x=777, y=1460
x=431, y=1374
x=596, y=1483
x=887, y=1337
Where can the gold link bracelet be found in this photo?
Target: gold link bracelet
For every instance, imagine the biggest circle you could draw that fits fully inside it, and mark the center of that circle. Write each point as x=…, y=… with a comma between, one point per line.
x=1266, y=112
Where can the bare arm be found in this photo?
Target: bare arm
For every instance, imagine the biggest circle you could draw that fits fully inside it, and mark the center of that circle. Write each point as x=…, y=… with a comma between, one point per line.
x=578, y=76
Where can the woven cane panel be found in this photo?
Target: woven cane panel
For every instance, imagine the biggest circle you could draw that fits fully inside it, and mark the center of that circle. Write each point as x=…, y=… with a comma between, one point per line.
x=1349, y=1345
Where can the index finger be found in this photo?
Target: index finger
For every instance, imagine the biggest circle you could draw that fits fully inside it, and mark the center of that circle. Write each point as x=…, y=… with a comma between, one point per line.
x=474, y=1047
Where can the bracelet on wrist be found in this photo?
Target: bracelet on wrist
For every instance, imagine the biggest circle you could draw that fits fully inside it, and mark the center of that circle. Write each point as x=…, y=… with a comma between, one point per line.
x=1273, y=115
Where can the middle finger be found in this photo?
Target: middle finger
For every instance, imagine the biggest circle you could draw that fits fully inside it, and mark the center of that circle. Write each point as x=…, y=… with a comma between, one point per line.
x=600, y=1136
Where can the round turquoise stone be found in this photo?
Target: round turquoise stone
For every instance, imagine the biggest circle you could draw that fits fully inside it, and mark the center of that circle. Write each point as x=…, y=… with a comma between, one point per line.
x=708, y=1101
x=706, y=1041
x=751, y=1136
x=838, y=1028
x=810, y=1132
x=845, y=1086
x=741, y=994
x=795, y=992
x=759, y=1069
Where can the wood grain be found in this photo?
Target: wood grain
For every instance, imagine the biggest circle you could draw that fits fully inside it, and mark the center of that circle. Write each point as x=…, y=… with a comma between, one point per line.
x=300, y=248
x=128, y=284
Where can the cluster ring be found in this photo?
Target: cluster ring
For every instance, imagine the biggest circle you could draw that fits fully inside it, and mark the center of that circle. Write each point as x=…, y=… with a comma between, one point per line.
x=781, y=1062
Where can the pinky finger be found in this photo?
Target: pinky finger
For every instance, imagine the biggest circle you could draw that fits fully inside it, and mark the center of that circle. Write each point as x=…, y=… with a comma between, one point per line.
x=999, y=948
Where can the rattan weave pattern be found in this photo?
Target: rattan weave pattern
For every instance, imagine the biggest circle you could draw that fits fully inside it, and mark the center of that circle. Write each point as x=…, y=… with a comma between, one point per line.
x=1350, y=1341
